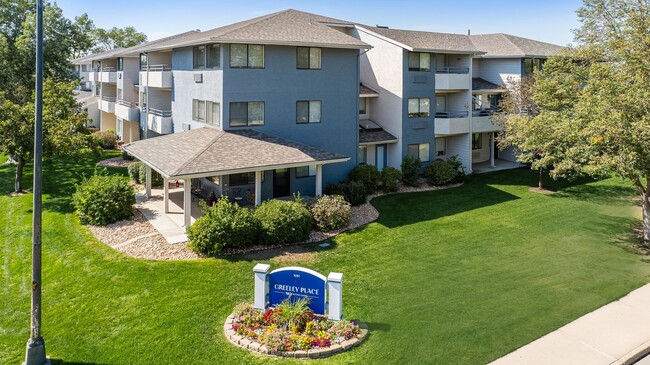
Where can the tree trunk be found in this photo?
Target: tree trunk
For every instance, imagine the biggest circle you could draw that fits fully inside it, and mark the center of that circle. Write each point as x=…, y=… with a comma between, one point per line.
x=540, y=184
x=646, y=216
x=20, y=164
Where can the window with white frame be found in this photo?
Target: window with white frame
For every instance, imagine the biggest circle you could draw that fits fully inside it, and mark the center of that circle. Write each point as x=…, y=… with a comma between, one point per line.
x=120, y=129
x=243, y=114
x=419, y=151
x=419, y=107
x=306, y=171
x=198, y=55
x=198, y=110
x=477, y=141
x=308, y=111
x=419, y=61
x=246, y=56
x=308, y=58
x=363, y=106
x=213, y=115
x=441, y=147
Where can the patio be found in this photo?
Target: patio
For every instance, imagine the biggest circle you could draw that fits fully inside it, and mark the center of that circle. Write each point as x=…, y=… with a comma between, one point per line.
x=499, y=164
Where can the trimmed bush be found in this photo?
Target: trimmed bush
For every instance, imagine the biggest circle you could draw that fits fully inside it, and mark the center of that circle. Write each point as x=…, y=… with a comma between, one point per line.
x=440, y=172
x=103, y=199
x=390, y=178
x=127, y=157
x=352, y=191
x=411, y=169
x=106, y=139
x=283, y=222
x=367, y=175
x=457, y=164
x=134, y=171
x=222, y=225
x=156, y=178
x=331, y=212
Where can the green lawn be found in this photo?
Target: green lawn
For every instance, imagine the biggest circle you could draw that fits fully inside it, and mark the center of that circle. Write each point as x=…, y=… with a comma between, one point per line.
x=463, y=276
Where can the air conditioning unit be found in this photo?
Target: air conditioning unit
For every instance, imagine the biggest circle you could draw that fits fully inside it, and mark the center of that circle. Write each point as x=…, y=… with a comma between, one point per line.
x=186, y=127
x=198, y=78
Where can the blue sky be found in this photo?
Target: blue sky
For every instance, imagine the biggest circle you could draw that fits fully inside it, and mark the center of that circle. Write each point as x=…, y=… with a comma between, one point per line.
x=549, y=20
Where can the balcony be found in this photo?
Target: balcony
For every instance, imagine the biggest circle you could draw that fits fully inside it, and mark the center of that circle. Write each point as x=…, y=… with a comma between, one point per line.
x=107, y=104
x=158, y=76
x=482, y=122
x=109, y=74
x=449, y=123
x=453, y=78
x=94, y=75
x=127, y=111
x=160, y=121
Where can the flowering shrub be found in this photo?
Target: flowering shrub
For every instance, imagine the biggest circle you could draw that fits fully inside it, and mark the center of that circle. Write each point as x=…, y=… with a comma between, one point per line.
x=331, y=212
x=290, y=327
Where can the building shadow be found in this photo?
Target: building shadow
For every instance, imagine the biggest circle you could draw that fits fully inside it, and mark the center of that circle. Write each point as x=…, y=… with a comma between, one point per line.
x=63, y=362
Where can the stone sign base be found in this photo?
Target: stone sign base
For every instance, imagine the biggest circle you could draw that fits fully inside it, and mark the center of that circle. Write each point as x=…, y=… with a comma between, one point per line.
x=313, y=353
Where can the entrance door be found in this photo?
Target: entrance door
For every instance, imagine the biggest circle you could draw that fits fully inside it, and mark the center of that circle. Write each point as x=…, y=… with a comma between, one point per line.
x=281, y=183
x=441, y=104
x=381, y=156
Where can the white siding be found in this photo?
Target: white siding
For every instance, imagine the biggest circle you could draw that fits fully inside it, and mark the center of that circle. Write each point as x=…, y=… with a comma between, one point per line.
x=498, y=70
x=460, y=145
x=186, y=89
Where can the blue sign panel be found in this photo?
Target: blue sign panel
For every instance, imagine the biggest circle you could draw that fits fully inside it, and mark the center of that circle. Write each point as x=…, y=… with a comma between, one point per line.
x=298, y=282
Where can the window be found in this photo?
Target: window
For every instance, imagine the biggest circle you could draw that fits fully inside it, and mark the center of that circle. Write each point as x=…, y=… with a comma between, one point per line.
x=477, y=141
x=97, y=89
x=199, y=57
x=363, y=106
x=143, y=62
x=419, y=107
x=306, y=171
x=419, y=151
x=214, y=56
x=84, y=68
x=246, y=56
x=493, y=101
x=308, y=111
x=419, y=61
x=363, y=155
x=213, y=116
x=247, y=114
x=120, y=64
x=441, y=147
x=308, y=58
x=120, y=129
x=120, y=95
x=198, y=110
x=245, y=178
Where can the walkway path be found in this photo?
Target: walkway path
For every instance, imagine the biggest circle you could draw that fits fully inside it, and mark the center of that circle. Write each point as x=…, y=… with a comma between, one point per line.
x=618, y=333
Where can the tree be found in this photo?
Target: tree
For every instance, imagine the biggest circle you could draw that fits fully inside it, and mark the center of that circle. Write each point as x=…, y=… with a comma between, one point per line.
x=117, y=38
x=64, y=133
x=596, y=98
x=83, y=36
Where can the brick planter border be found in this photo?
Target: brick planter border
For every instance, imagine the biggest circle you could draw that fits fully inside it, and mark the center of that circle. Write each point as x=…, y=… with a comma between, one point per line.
x=320, y=352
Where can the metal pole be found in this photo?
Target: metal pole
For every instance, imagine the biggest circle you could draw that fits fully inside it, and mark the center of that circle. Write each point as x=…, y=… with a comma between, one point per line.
x=35, y=353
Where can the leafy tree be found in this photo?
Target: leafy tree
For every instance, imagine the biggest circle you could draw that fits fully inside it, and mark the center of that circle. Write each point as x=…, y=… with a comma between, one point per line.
x=83, y=36
x=594, y=100
x=64, y=133
x=107, y=39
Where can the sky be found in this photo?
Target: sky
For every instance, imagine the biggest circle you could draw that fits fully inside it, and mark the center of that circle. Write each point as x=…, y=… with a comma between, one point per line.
x=547, y=20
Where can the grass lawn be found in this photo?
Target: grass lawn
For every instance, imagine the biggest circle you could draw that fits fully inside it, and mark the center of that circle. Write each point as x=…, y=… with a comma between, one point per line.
x=458, y=276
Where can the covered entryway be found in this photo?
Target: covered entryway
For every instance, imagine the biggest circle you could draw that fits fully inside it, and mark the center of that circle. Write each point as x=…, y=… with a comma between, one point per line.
x=208, y=152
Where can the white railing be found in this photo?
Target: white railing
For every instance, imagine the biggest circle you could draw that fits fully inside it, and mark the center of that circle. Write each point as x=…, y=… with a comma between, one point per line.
x=110, y=99
x=128, y=103
x=158, y=112
x=158, y=68
x=452, y=70
x=109, y=69
x=450, y=115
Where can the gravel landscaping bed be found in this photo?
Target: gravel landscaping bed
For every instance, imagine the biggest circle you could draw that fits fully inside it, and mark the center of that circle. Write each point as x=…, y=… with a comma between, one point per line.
x=114, y=162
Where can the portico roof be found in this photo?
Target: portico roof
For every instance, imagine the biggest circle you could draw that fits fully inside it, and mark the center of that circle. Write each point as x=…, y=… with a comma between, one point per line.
x=211, y=152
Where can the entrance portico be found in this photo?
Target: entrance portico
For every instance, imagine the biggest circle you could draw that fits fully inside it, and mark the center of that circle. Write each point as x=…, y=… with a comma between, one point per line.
x=207, y=152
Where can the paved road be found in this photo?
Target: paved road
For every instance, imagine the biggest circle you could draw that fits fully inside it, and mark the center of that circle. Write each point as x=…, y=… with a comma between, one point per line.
x=644, y=361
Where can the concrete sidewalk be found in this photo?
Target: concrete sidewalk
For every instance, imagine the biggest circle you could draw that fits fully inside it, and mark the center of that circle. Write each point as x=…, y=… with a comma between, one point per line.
x=618, y=333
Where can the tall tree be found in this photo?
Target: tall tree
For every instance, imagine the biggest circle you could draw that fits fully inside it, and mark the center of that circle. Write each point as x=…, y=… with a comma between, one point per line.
x=107, y=39
x=83, y=36
x=596, y=97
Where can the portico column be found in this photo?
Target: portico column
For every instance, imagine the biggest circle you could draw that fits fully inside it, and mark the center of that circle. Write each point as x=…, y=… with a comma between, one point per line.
x=187, y=202
x=148, y=183
x=319, y=180
x=491, y=149
x=258, y=188
x=166, y=194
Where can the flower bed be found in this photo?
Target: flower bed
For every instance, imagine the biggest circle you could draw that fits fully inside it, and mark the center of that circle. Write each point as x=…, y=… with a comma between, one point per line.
x=291, y=330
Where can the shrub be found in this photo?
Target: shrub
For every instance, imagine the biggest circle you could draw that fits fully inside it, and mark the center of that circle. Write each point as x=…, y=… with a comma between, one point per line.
x=440, y=172
x=127, y=157
x=352, y=191
x=106, y=139
x=411, y=169
x=457, y=164
x=367, y=175
x=283, y=222
x=223, y=225
x=331, y=212
x=156, y=178
x=134, y=171
x=103, y=199
x=390, y=178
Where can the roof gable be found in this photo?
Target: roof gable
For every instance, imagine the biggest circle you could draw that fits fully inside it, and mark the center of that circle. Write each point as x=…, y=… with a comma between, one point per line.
x=506, y=45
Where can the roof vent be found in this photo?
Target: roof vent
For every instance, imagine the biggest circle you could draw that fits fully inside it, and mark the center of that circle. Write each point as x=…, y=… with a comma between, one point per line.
x=382, y=26
x=469, y=32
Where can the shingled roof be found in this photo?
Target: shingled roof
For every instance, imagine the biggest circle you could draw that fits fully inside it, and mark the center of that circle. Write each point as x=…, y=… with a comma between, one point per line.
x=506, y=45
x=209, y=152
x=427, y=41
x=98, y=56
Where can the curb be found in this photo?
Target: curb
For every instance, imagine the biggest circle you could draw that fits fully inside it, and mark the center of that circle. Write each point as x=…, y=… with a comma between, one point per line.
x=634, y=355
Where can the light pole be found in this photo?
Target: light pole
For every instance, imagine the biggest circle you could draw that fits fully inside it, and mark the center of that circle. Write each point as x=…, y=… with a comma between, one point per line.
x=35, y=353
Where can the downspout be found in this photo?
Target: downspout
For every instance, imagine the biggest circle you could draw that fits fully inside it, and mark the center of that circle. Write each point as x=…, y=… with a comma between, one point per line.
x=146, y=118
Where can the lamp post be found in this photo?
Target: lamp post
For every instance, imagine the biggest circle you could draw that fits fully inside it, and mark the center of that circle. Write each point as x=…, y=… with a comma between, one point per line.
x=35, y=353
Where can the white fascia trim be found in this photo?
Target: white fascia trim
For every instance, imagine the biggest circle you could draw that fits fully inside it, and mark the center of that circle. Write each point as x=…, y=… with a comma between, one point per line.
x=384, y=38
x=446, y=51
x=390, y=141
x=298, y=44
x=368, y=95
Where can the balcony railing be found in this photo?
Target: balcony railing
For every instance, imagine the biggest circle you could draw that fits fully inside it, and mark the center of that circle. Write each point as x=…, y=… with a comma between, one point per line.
x=482, y=113
x=129, y=104
x=158, y=112
x=109, y=69
x=156, y=68
x=110, y=99
x=452, y=70
x=450, y=115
